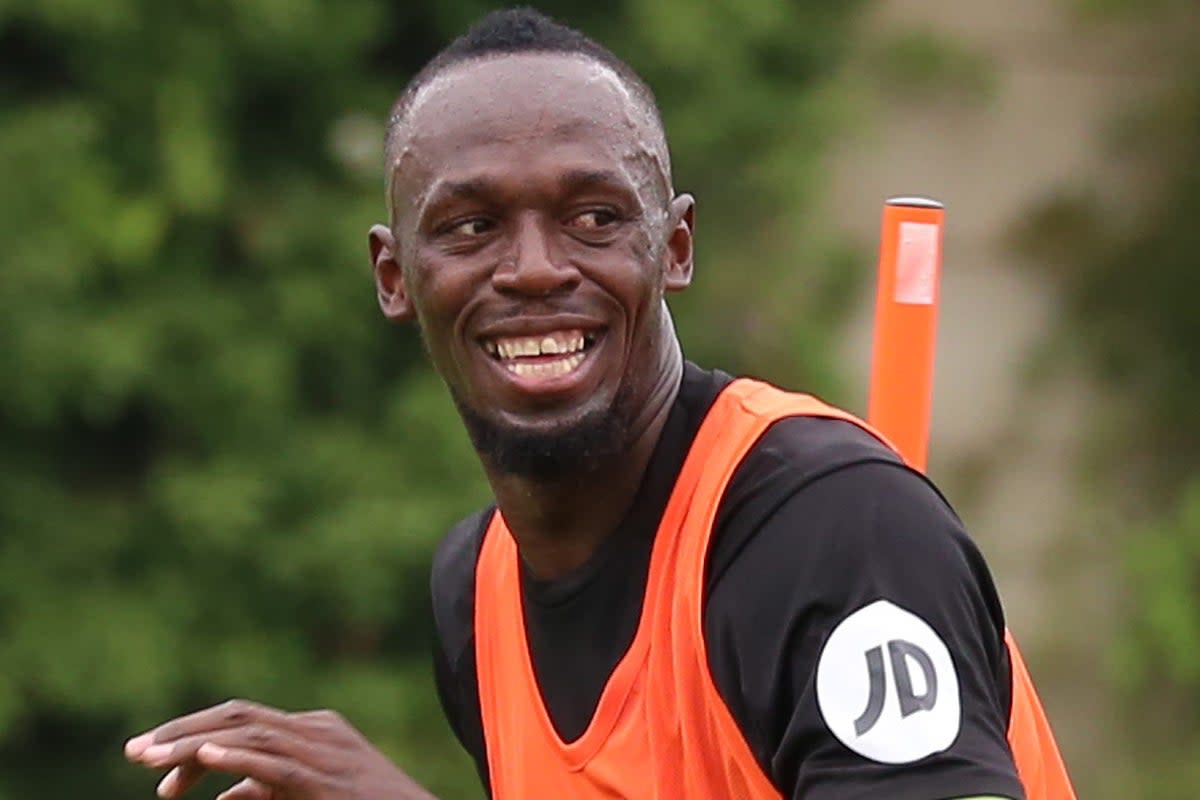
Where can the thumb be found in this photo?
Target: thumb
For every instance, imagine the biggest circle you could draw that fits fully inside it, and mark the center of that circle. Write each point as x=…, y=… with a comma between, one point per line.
x=249, y=789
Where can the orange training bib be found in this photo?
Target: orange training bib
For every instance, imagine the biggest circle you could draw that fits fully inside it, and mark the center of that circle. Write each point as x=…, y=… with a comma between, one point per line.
x=661, y=730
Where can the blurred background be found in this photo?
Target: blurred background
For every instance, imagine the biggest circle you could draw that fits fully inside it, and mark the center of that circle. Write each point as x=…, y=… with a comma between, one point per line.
x=221, y=473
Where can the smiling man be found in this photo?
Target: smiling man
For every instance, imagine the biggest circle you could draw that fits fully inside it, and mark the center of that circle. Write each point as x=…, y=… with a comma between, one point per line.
x=689, y=586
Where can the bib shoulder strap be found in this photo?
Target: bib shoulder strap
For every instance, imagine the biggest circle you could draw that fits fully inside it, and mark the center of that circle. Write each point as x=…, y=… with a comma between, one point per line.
x=768, y=402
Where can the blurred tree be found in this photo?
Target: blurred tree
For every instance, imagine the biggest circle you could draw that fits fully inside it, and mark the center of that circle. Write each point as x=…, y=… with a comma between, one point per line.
x=220, y=473
x=1130, y=268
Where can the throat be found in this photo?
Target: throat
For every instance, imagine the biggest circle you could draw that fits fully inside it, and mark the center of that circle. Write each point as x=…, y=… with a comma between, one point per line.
x=559, y=529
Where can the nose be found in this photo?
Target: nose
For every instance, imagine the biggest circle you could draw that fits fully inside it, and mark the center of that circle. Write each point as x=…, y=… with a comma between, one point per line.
x=534, y=267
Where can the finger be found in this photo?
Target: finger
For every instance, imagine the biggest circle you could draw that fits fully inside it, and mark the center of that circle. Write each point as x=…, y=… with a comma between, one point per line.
x=273, y=771
x=231, y=714
x=180, y=779
x=262, y=738
x=249, y=789
x=326, y=725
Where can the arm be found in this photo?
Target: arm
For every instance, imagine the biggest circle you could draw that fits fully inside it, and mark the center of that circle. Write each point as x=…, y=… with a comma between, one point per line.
x=857, y=639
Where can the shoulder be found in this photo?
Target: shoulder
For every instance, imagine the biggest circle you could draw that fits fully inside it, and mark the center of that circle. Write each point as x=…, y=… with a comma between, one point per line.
x=820, y=520
x=452, y=581
x=795, y=451
x=851, y=525
x=838, y=568
x=815, y=445
x=792, y=455
x=850, y=531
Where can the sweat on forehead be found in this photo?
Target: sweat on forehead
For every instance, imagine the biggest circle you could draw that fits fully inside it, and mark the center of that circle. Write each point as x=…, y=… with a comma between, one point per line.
x=527, y=94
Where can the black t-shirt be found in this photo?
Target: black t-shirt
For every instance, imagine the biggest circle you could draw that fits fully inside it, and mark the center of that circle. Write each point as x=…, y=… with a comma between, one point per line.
x=852, y=627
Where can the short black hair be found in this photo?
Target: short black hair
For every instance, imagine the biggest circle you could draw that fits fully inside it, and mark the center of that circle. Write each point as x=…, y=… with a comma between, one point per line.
x=519, y=30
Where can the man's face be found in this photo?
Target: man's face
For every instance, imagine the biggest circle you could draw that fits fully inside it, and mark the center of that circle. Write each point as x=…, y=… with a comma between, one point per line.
x=534, y=236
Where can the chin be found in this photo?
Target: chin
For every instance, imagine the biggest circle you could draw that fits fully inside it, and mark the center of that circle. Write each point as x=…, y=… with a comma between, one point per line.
x=568, y=444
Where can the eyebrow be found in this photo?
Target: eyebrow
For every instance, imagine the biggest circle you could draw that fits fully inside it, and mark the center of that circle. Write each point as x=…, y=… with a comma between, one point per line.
x=583, y=178
x=444, y=192
x=486, y=188
x=471, y=189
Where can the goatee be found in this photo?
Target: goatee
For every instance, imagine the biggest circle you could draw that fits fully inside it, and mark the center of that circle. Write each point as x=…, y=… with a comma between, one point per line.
x=581, y=447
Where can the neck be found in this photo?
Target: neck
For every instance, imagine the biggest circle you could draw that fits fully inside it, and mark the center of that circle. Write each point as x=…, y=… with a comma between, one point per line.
x=559, y=523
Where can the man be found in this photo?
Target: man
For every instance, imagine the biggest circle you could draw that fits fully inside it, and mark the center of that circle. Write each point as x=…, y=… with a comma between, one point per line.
x=689, y=586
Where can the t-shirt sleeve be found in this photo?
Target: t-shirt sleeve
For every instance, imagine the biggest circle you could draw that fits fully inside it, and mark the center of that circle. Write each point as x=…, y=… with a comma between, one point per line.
x=857, y=639
x=452, y=587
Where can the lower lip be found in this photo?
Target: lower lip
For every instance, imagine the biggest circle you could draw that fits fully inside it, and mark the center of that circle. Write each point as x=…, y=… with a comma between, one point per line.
x=542, y=384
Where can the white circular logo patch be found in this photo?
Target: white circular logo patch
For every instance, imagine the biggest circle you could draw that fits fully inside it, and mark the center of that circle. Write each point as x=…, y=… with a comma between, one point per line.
x=886, y=686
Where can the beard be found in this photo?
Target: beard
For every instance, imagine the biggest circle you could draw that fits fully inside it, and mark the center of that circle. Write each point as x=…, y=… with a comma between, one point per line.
x=576, y=448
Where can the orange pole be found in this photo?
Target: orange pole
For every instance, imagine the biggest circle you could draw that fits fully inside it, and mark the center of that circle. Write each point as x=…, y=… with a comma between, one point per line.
x=900, y=407
x=906, y=304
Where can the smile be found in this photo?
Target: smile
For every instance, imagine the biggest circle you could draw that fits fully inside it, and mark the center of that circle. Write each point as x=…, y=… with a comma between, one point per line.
x=551, y=354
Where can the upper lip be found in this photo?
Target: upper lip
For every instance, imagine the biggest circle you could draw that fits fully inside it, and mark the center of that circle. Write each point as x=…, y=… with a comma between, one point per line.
x=538, y=325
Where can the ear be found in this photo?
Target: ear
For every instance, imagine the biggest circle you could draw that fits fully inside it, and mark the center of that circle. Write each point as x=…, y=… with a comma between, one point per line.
x=389, y=279
x=678, y=256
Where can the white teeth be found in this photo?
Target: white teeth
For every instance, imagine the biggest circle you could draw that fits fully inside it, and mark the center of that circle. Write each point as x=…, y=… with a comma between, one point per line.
x=554, y=344
x=547, y=369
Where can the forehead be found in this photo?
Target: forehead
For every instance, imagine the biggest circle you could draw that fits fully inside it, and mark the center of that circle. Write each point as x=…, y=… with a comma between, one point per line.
x=514, y=109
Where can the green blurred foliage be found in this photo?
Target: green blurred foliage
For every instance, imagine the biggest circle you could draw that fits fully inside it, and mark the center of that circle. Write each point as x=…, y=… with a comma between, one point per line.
x=1130, y=268
x=922, y=65
x=220, y=472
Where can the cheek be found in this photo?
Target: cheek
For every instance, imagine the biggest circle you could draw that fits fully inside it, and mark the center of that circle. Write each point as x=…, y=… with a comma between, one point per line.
x=439, y=291
x=646, y=282
x=625, y=275
x=437, y=301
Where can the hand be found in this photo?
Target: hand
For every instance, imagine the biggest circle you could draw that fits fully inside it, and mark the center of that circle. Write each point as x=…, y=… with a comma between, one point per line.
x=314, y=755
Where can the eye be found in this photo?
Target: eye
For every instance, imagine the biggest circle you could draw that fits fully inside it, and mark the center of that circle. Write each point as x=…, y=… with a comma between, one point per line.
x=475, y=226
x=593, y=219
